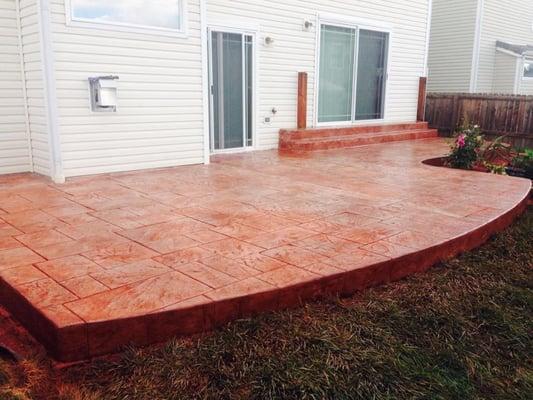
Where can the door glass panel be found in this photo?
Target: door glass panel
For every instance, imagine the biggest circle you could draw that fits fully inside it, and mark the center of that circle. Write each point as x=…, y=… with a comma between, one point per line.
x=248, y=50
x=228, y=90
x=371, y=74
x=217, y=96
x=337, y=47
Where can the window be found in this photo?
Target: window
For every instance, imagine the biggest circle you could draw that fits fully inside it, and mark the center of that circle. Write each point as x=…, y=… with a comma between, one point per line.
x=528, y=68
x=163, y=15
x=352, y=74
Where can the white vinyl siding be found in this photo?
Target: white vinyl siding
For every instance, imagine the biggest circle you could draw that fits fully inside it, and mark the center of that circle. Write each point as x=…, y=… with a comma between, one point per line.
x=505, y=73
x=451, y=45
x=526, y=87
x=158, y=122
x=294, y=50
x=32, y=57
x=14, y=154
x=509, y=21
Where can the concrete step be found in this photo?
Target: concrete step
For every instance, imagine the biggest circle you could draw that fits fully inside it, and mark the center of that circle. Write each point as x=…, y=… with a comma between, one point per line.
x=354, y=140
x=350, y=130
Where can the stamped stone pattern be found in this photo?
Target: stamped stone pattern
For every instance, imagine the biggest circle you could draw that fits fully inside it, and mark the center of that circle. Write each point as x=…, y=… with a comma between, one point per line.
x=103, y=261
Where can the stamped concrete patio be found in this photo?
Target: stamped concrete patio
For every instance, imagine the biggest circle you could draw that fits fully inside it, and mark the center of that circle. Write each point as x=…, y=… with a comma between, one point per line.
x=104, y=261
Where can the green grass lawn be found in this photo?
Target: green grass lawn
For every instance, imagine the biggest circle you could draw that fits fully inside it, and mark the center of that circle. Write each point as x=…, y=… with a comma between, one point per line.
x=461, y=331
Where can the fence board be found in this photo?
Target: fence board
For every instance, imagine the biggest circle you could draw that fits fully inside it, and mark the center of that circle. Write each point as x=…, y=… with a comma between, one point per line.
x=496, y=114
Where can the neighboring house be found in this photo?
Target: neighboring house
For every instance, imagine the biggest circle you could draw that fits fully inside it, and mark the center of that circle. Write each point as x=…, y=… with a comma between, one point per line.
x=195, y=77
x=481, y=46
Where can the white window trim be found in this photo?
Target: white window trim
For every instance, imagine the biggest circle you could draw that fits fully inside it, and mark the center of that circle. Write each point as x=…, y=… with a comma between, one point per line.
x=352, y=23
x=131, y=28
x=524, y=60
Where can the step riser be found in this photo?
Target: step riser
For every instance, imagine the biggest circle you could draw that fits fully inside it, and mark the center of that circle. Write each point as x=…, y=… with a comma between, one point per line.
x=325, y=144
x=357, y=136
x=327, y=132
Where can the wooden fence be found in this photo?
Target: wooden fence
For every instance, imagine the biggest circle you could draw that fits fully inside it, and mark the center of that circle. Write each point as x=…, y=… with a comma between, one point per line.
x=497, y=115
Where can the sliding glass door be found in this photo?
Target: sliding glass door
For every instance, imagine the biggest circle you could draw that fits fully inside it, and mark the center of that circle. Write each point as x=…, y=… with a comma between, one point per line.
x=352, y=74
x=231, y=76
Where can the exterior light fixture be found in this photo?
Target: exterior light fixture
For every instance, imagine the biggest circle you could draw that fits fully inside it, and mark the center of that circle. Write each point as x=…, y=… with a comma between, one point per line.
x=269, y=41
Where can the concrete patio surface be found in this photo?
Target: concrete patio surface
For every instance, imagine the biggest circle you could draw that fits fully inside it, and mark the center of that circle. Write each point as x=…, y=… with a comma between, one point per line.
x=104, y=261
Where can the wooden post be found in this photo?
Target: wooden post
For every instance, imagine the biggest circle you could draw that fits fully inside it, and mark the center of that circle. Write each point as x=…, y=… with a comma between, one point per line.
x=421, y=114
x=302, y=100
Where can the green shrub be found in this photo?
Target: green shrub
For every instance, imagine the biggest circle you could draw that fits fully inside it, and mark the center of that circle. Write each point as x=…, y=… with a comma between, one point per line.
x=523, y=160
x=497, y=169
x=522, y=164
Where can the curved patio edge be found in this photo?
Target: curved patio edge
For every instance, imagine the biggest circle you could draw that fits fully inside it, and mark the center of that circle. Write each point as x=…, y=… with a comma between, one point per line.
x=68, y=341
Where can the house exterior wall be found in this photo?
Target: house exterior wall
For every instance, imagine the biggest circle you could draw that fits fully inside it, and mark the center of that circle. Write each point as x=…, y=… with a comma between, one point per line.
x=14, y=151
x=295, y=50
x=505, y=73
x=162, y=92
x=451, y=45
x=159, y=118
x=509, y=21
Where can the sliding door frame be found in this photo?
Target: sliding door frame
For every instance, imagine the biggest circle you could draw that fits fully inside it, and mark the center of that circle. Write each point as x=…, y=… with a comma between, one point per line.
x=357, y=25
x=254, y=101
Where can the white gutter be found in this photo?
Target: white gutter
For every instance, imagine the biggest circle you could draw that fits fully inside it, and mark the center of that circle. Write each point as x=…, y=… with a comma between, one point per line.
x=477, y=44
x=24, y=88
x=428, y=36
x=205, y=81
x=50, y=95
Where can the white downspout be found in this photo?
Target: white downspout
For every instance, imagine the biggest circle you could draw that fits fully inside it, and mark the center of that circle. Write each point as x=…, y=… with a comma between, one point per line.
x=477, y=44
x=50, y=94
x=24, y=88
x=205, y=82
x=518, y=74
x=428, y=37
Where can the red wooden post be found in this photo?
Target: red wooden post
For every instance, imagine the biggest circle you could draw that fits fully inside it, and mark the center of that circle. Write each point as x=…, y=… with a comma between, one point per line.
x=302, y=100
x=421, y=114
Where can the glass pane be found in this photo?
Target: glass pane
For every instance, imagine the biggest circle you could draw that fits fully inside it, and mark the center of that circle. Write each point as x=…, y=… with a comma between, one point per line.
x=371, y=74
x=335, y=92
x=233, y=91
x=218, y=112
x=528, y=69
x=228, y=91
x=145, y=13
x=249, y=89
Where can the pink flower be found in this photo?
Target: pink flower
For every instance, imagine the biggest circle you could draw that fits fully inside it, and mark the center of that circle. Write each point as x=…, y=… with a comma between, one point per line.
x=461, y=141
